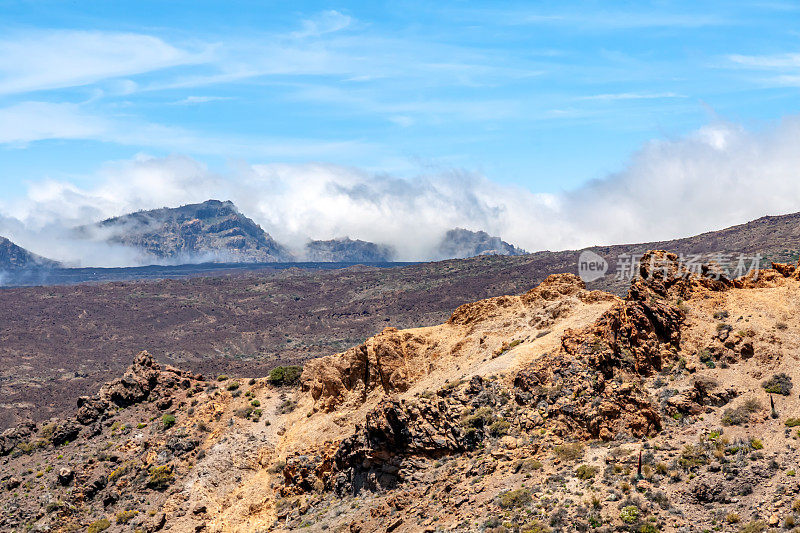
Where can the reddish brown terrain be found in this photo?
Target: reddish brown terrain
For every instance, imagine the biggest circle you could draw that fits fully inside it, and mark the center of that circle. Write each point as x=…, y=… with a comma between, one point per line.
x=59, y=342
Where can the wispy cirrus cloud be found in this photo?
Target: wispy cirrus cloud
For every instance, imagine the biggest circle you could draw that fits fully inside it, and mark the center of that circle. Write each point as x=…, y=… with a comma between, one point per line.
x=41, y=60
x=775, y=61
x=28, y=122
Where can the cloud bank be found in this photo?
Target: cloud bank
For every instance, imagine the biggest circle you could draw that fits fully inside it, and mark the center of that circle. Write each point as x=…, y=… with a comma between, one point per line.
x=719, y=175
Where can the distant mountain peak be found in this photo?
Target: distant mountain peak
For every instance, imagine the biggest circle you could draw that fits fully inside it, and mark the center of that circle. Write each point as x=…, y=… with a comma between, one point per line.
x=347, y=250
x=210, y=231
x=13, y=257
x=460, y=243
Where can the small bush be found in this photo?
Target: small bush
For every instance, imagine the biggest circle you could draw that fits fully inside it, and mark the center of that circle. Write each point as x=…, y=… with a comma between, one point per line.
x=515, y=498
x=569, y=452
x=778, y=384
x=286, y=407
x=98, y=526
x=233, y=385
x=756, y=444
x=792, y=422
x=740, y=415
x=160, y=478
x=222, y=377
x=629, y=514
x=285, y=375
x=255, y=403
x=586, y=472
x=168, y=421
x=124, y=517
x=528, y=465
x=499, y=428
x=732, y=518
x=756, y=526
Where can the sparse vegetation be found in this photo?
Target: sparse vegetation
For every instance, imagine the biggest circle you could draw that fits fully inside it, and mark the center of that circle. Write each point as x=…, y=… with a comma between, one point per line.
x=569, y=452
x=778, y=384
x=742, y=414
x=161, y=477
x=285, y=375
x=586, y=472
x=123, y=517
x=98, y=525
x=629, y=514
x=168, y=421
x=515, y=498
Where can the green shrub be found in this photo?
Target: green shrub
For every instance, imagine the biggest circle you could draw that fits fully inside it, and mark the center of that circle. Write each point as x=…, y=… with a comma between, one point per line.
x=222, y=377
x=168, y=421
x=527, y=465
x=255, y=403
x=98, y=526
x=569, y=452
x=536, y=527
x=118, y=473
x=740, y=415
x=499, y=428
x=515, y=498
x=479, y=419
x=586, y=472
x=285, y=375
x=756, y=526
x=756, y=444
x=629, y=514
x=778, y=384
x=792, y=422
x=124, y=517
x=161, y=477
x=233, y=385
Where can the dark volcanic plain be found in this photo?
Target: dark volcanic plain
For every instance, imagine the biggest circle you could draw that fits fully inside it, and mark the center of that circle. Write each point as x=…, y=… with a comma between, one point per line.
x=60, y=342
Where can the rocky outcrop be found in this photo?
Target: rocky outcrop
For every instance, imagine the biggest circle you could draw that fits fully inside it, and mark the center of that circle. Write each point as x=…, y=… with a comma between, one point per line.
x=389, y=361
x=138, y=383
x=381, y=451
x=10, y=438
x=607, y=360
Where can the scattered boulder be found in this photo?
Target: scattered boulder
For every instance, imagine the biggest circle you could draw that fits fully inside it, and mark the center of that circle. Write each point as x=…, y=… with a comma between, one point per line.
x=65, y=476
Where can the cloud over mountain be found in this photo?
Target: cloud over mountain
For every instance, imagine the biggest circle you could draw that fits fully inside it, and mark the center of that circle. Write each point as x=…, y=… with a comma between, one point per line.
x=717, y=176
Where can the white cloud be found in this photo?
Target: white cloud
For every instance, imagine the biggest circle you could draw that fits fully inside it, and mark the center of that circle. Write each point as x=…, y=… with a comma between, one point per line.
x=36, y=121
x=63, y=58
x=779, y=61
x=324, y=22
x=718, y=176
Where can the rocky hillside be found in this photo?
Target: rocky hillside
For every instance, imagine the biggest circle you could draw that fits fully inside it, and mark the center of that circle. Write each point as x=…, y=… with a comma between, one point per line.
x=460, y=243
x=13, y=258
x=212, y=231
x=348, y=251
x=562, y=409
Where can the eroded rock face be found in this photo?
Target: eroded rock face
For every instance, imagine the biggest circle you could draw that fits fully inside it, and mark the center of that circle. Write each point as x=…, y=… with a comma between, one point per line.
x=382, y=450
x=13, y=436
x=390, y=361
x=605, y=361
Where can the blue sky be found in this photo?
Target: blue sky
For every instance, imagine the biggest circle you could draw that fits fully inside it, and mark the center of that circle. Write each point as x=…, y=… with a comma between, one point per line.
x=543, y=95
